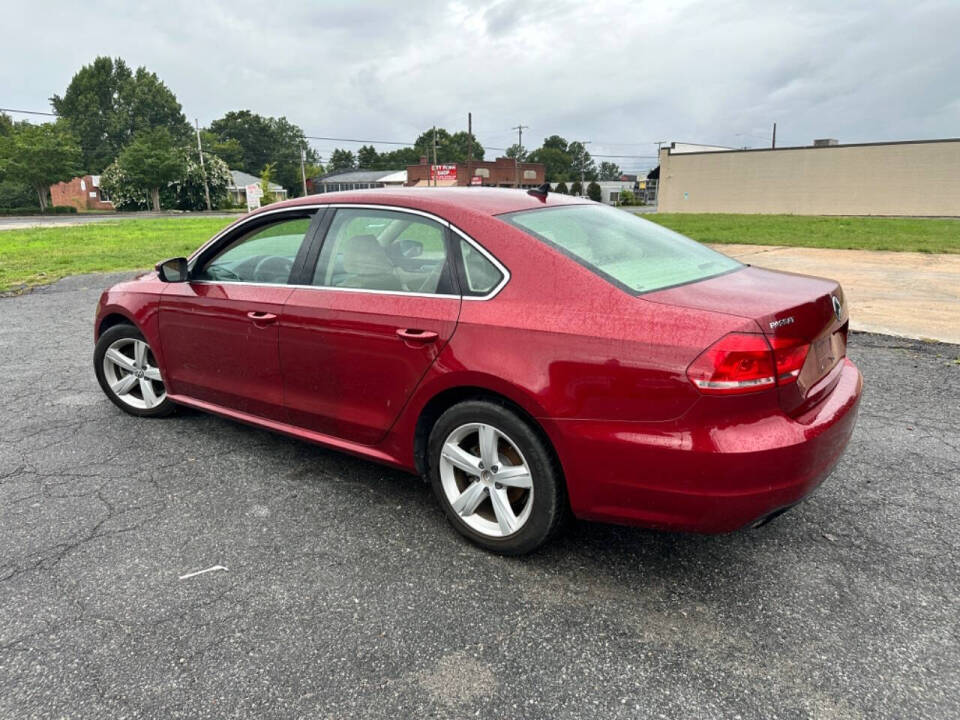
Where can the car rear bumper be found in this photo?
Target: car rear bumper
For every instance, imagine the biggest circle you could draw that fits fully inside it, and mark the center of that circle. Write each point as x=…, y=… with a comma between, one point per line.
x=711, y=478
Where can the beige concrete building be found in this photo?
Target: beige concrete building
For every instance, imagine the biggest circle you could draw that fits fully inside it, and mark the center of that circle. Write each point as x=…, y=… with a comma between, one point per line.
x=920, y=178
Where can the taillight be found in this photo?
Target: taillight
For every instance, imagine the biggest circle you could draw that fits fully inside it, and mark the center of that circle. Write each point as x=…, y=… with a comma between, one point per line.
x=736, y=363
x=789, y=354
x=744, y=362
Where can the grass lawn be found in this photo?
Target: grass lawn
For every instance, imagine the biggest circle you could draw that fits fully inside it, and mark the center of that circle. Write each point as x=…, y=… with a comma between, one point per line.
x=35, y=256
x=856, y=233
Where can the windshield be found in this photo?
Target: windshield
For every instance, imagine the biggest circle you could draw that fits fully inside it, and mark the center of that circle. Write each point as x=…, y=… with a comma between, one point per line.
x=634, y=254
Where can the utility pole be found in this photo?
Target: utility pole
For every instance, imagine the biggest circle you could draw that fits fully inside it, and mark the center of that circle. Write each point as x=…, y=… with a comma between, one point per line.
x=303, y=169
x=469, y=146
x=203, y=168
x=774, y=143
x=583, y=163
x=434, y=169
x=516, y=159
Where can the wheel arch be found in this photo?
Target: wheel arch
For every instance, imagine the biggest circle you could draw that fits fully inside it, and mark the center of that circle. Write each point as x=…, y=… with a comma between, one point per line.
x=112, y=319
x=445, y=399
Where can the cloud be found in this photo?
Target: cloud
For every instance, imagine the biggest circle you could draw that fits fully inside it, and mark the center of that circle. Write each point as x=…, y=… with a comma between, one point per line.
x=622, y=74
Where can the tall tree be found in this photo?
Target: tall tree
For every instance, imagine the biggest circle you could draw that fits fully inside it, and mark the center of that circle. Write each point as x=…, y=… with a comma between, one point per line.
x=341, y=160
x=610, y=171
x=39, y=156
x=516, y=151
x=581, y=164
x=556, y=142
x=106, y=103
x=399, y=159
x=368, y=158
x=556, y=162
x=151, y=161
x=248, y=141
x=450, y=148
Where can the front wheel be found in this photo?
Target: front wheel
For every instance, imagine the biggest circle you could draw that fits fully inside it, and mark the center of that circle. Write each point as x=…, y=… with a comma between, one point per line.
x=128, y=374
x=495, y=478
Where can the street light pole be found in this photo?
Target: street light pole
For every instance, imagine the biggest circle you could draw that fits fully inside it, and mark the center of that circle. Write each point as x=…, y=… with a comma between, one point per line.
x=203, y=168
x=516, y=159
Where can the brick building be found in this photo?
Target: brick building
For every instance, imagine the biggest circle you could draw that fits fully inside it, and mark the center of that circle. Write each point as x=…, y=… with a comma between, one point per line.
x=502, y=172
x=83, y=193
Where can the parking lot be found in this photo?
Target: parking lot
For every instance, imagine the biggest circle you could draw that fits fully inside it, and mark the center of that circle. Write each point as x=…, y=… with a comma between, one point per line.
x=346, y=594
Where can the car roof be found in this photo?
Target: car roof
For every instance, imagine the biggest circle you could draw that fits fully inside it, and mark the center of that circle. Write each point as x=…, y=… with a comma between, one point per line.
x=484, y=201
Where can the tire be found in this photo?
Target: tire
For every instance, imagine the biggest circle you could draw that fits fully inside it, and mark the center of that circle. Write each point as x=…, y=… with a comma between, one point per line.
x=472, y=494
x=123, y=357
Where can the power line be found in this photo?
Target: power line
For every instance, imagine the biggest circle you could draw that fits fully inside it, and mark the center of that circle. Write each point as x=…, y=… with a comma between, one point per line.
x=28, y=112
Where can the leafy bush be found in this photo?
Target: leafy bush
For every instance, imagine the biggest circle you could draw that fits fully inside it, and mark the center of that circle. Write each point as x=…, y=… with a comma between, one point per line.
x=184, y=193
x=561, y=188
x=17, y=195
x=34, y=210
x=119, y=188
x=576, y=188
x=627, y=197
x=594, y=193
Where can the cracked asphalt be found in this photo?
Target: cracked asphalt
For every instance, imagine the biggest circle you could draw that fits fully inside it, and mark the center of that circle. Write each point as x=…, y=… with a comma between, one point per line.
x=347, y=595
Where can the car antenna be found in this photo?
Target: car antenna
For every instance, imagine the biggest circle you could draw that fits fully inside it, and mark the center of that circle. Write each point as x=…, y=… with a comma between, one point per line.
x=540, y=191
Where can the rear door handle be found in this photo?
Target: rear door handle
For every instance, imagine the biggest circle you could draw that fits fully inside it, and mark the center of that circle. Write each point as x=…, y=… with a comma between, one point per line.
x=261, y=318
x=417, y=336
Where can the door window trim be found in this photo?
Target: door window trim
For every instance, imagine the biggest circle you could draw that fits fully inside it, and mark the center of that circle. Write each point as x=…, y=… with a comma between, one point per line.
x=313, y=243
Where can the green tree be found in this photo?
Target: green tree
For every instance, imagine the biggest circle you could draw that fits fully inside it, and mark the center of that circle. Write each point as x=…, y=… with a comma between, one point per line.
x=266, y=180
x=556, y=162
x=450, y=148
x=341, y=160
x=106, y=104
x=593, y=192
x=581, y=164
x=610, y=171
x=39, y=156
x=368, y=158
x=399, y=159
x=151, y=161
x=576, y=188
x=561, y=188
x=248, y=141
x=516, y=151
x=627, y=197
x=229, y=150
x=555, y=142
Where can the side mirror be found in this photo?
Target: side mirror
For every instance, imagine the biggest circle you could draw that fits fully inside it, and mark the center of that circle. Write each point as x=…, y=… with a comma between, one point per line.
x=173, y=270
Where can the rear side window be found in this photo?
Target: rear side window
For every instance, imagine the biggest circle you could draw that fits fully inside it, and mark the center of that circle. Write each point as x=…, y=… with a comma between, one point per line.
x=384, y=250
x=634, y=254
x=482, y=276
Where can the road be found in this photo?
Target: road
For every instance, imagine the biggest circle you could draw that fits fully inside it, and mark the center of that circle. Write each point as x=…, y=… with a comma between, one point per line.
x=347, y=595
x=27, y=221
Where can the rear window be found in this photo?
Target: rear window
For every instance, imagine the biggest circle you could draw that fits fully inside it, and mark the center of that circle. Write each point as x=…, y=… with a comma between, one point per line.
x=636, y=255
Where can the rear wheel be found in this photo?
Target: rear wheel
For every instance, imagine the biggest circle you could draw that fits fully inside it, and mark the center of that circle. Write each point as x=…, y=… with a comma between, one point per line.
x=128, y=374
x=495, y=478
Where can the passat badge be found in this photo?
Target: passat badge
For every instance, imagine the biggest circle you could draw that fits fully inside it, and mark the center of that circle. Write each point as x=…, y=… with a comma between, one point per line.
x=781, y=322
x=837, y=307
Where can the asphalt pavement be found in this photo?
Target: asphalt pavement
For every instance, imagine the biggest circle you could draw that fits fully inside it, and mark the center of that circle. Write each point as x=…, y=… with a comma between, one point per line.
x=345, y=594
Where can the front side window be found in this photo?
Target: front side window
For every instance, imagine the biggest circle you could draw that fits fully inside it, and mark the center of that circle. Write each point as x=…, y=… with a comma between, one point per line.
x=262, y=255
x=384, y=250
x=634, y=254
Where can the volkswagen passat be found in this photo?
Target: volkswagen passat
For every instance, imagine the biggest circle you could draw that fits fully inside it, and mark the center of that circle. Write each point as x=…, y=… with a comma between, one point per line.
x=531, y=354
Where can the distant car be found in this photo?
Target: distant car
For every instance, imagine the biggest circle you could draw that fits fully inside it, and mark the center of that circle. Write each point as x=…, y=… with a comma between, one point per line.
x=530, y=354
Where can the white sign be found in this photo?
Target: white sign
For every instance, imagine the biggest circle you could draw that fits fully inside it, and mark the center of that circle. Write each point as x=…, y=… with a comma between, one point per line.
x=254, y=192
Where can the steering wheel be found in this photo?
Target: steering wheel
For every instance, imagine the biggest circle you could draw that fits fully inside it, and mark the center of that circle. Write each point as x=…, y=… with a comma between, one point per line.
x=280, y=272
x=221, y=272
x=432, y=279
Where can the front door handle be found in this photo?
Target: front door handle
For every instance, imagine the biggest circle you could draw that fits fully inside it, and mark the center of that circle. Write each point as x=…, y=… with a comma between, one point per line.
x=417, y=336
x=261, y=319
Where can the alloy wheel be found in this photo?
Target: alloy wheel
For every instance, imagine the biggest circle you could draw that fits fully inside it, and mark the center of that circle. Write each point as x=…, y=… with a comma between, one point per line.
x=486, y=479
x=133, y=376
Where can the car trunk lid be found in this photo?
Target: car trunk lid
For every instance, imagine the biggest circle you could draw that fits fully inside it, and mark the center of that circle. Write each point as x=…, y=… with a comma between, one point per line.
x=792, y=311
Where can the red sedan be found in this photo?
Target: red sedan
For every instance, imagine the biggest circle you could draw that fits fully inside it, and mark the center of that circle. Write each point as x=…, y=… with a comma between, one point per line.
x=530, y=354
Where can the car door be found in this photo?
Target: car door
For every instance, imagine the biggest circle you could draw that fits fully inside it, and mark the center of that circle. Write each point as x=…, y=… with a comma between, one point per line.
x=220, y=330
x=381, y=304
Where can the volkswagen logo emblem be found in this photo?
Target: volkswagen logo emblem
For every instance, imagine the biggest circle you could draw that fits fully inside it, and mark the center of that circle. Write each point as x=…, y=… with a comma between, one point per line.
x=837, y=307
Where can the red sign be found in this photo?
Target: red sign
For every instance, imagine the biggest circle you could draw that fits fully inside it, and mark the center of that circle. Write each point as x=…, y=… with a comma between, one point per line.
x=476, y=180
x=443, y=172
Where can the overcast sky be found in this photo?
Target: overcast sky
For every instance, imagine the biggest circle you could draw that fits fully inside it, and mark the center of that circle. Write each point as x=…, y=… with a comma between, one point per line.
x=621, y=74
